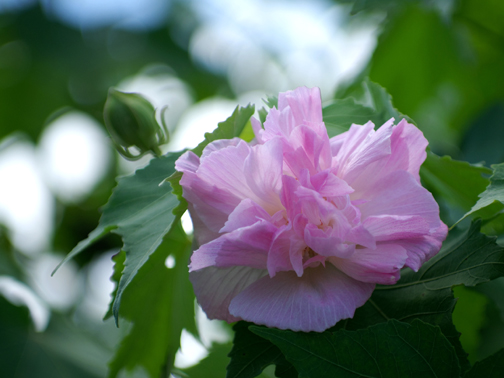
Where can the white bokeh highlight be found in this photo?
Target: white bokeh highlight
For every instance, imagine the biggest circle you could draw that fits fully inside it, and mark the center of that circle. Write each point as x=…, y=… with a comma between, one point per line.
x=75, y=154
x=26, y=204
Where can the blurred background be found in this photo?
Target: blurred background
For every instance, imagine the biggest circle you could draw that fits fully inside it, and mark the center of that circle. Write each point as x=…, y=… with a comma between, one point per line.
x=442, y=61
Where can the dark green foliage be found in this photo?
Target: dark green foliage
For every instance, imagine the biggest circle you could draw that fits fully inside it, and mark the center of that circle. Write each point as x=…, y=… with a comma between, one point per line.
x=391, y=349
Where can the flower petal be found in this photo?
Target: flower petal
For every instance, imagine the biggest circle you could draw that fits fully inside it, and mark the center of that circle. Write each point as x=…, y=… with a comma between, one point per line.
x=263, y=167
x=380, y=265
x=305, y=104
x=216, y=287
x=393, y=227
x=246, y=246
x=245, y=214
x=314, y=302
x=399, y=194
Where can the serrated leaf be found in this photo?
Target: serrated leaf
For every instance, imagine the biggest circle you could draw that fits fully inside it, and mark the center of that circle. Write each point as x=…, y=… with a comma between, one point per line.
x=118, y=260
x=251, y=354
x=271, y=101
x=141, y=211
x=391, y=349
x=458, y=182
x=467, y=258
x=230, y=128
x=494, y=193
x=490, y=367
x=159, y=303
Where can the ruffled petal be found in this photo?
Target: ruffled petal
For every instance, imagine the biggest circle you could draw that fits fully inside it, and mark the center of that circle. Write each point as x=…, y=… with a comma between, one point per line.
x=247, y=246
x=216, y=287
x=394, y=227
x=380, y=265
x=245, y=214
x=353, y=160
x=314, y=302
x=263, y=168
x=422, y=249
x=304, y=103
x=399, y=194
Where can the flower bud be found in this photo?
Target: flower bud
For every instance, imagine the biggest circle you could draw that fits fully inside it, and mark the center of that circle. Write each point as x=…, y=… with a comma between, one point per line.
x=131, y=122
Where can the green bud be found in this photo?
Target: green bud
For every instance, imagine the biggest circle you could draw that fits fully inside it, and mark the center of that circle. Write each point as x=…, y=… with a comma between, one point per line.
x=131, y=122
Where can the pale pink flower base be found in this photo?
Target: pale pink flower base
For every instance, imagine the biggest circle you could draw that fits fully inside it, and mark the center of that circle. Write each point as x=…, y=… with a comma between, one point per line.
x=296, y=230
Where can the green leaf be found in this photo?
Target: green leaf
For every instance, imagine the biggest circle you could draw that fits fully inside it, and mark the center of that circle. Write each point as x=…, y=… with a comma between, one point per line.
x=230, y=128
x=458, y=182
x=391, y=349
x=339, y=116
x=493, y=194
x=377, y=108
x=118, y=260
x=469, y=318
x=159, y=303
x=467, y=258
x=489, y=367
x=141, y=211
x=251, y=354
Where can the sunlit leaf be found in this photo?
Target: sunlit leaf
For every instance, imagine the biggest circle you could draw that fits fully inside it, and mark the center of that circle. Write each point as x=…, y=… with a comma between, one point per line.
x=391, y=349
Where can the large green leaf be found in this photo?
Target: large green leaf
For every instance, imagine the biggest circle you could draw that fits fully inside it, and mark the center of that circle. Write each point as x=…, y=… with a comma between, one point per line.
x=391, y=349
x=490, y=367
x=159, y=303
x=458, y=182
x=467, y=258
x=141, y=211
x=251, y=354
x=493, y=194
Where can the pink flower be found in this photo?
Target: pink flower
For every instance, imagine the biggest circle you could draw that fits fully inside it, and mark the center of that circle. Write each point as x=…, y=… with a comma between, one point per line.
x=296, y=230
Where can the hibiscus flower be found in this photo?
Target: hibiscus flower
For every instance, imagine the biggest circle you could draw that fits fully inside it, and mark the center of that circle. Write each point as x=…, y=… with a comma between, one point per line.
x=296, y=229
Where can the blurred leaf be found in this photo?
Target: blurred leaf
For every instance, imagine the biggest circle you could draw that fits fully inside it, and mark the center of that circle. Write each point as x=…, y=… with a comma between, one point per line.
x=489, y=367
x=141, y=211
x=251, y=354
x=391, y=349
x=458, y=182
x=213, y=365
x=25, y=353
x=159, y=303
x=230, y=128
x=485, y=137
x=493, y=193
x=469, y=317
